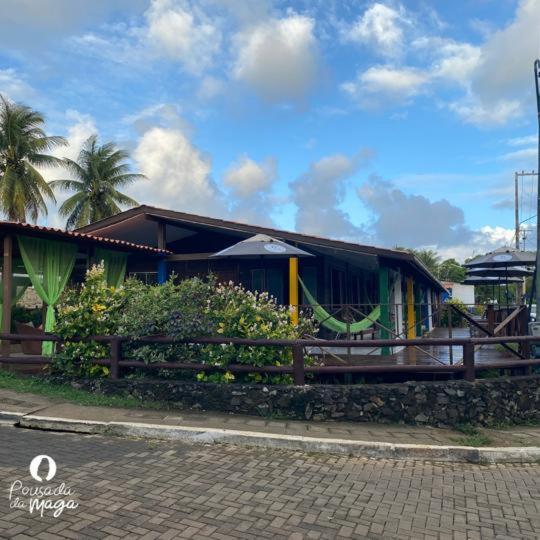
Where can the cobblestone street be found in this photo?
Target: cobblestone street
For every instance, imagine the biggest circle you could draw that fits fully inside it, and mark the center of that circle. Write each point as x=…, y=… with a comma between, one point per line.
x=141, y=489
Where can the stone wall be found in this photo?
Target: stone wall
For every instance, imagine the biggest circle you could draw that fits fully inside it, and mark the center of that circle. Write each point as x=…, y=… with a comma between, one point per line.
x=485, y=402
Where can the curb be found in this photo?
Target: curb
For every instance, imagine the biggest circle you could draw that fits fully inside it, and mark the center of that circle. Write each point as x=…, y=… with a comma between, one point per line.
x=8, y=417
x=379, y=450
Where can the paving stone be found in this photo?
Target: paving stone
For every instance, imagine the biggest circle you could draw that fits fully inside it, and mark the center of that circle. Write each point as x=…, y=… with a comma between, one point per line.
x=143, y=489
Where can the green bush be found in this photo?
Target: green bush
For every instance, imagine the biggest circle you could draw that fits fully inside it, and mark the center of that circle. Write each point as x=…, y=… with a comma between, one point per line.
x=457, y=319
x=240, y=313
x=187, y=309
x=89, y=310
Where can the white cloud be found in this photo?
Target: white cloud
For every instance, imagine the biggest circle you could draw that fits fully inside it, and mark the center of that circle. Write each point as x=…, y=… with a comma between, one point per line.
x=250, y=184
x=14, y=87
x=495, y=75
x=502, y=80
x=376, y=84
x=485, y=239
x=411, y=220
x=319, y=193
x=82, y=126
x=167, y=115
x=520, y=155
x=184, y=33
x=210, y=87
x=415, y=221
x=456, y=61
x=178, y=174
x=521, y=141
x=380, y=27
x=246, y=177
x=474, y=111
x=278, y=58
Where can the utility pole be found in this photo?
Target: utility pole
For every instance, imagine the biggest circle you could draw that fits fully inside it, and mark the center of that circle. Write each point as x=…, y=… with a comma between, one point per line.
x=516, y=208
x=537, y=268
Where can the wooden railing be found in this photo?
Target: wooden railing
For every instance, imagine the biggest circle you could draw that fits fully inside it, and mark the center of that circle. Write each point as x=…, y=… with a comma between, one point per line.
x=298, y=369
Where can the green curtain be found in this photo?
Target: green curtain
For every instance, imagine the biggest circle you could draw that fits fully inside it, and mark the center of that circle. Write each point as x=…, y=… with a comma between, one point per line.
x=115, y=266
x=19, y=285
x=49, y=264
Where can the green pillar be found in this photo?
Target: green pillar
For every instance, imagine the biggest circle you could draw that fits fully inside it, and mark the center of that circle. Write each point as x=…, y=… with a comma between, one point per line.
x=384, y=300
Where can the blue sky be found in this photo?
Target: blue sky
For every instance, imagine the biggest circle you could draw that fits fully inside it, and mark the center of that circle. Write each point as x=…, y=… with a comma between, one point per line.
x=382, y=122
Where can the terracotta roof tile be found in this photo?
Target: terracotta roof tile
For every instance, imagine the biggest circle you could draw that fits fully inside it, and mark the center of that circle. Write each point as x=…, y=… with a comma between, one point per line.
x=83, y=236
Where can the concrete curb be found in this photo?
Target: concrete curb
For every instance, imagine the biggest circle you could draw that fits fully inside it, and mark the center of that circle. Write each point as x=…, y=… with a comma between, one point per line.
x=380, y=450
x=8, y=417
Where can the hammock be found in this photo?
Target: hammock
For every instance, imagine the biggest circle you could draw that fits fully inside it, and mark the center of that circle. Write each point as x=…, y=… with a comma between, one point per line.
x=336, y=325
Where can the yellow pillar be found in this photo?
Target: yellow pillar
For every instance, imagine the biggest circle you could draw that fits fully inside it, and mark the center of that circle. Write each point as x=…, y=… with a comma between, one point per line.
x=411, y=324
x=293, y=289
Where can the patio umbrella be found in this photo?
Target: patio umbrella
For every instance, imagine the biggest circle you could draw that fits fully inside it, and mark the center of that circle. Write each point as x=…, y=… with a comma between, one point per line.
x=515, y=271
x=503, y=258
x=478, y=280
x=264, y=246
x=493, y=281
x=260, y=245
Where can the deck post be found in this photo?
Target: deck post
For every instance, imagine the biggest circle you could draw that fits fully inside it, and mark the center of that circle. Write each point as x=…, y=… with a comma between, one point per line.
x=490, y=316
x=162, y=271
x=293, y=289
x=450, y=332
x=7, y=285
x=468, y=361
x=411, y=324
x=116, y=344
x=162, y=244
x=418, y=297
x=384, y=300
x=298, y=365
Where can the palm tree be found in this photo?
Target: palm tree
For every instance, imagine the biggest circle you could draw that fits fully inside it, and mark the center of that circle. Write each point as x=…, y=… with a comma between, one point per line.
x=429, y=258
x=98, y=173
x=23, y=144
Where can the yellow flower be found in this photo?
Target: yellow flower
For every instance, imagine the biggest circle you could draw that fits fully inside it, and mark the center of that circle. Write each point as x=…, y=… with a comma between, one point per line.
x=96, y=308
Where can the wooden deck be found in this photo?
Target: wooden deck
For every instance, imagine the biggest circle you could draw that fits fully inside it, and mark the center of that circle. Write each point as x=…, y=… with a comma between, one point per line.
x=428, y=355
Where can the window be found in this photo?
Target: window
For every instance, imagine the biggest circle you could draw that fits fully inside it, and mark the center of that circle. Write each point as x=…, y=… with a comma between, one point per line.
x=269, y=280
x=338, y=286
x=148, y=278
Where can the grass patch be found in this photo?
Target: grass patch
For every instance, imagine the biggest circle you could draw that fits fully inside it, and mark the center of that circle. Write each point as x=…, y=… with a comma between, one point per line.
x=474, y=440
x=473, y=437
x=36, y=385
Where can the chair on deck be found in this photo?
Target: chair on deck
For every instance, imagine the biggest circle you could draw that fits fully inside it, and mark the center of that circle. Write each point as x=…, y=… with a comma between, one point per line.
x=30, y=347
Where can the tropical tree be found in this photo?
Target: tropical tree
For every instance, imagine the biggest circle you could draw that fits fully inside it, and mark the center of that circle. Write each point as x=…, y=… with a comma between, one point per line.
x=98, y=174
x=451, y=270
x=23, y=148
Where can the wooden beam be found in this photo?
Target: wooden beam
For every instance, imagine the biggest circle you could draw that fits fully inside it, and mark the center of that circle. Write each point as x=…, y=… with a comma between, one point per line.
x=384, y=301
x=178, y=257
x=508, y=319
x=7, y=285
x=162, y=235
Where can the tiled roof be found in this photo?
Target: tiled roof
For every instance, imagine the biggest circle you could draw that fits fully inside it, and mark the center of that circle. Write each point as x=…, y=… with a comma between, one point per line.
x=60, y=233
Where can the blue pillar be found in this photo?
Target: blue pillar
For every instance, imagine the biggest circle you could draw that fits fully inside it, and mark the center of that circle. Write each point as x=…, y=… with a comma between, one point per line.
x=162, y=271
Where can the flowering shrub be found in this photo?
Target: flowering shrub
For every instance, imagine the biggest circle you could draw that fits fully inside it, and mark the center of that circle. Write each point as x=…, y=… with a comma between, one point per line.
x=92, y=309
x=240, y=313
x=188, y=309
x=179, y=310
